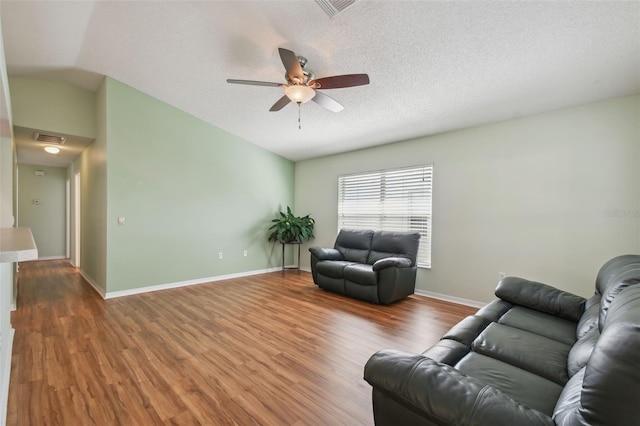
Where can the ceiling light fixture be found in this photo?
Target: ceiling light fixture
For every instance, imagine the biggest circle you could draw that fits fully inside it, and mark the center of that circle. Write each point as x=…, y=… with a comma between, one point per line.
x=52, y=149
x=299, y=93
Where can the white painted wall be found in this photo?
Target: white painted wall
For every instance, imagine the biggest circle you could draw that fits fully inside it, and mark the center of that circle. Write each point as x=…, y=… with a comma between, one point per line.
x=549, y=197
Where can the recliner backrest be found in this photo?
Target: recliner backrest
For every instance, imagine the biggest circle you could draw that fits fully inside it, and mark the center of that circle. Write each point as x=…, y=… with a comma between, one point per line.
x=394, y=244
x=607, y=389
x=613, y=277
x=354, y=244
x=612, y=271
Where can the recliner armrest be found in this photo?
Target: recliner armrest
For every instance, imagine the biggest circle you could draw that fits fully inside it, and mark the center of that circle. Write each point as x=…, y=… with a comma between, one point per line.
x=326, y=253
x=541, y=297
x=442, y=394
x=398, y=262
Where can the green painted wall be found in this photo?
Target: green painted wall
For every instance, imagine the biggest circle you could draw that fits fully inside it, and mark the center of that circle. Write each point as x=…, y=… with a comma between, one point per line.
x=47, y=219
x=187, y=190
x=92, y=166
x=54, y=106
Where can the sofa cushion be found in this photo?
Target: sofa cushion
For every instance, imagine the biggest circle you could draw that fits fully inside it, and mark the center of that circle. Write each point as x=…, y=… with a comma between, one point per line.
x=540, y=323
x=494, y=309
x=354, y=244
x=326, y=253
x=524, y=350
x=589, y=320
x=361, y=274
x=569, y=400
x=331, y=284
x=332, y=268
x=394, y=244
x=391, y=262
x=538, y=393
x=541, y=297
x=436, y=394
x=581, y=351
x=467, y=330
x=447, y=351
x=368, y=293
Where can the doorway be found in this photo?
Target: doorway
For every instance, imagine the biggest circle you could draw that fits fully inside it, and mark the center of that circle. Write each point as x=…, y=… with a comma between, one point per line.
x=75, y=225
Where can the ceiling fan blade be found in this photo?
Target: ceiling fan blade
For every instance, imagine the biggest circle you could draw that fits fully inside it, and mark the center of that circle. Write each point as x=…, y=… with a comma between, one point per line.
x=254, y=83
x=291, y=64
x=282, y=102
x=327, y=102
x=340, y=81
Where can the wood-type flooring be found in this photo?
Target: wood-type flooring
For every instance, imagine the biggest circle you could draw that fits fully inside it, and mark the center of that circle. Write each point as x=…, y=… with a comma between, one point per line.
x=269, y=349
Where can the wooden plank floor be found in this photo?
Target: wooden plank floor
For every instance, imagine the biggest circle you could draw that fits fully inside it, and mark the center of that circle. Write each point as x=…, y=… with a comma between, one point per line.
x=270, y=349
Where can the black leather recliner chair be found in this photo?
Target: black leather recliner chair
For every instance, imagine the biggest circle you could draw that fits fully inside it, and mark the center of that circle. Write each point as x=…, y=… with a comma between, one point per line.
x=375, y=266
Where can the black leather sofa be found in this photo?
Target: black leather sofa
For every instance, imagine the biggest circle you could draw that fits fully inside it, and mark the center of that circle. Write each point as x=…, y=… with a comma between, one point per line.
x=535, y=356
x=376, y=266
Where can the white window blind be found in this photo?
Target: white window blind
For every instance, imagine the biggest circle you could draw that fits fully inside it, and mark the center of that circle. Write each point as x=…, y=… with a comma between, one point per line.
x=389, y=200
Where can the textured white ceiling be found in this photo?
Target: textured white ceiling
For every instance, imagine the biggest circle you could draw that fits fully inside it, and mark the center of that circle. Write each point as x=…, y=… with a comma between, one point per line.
x=434, y=66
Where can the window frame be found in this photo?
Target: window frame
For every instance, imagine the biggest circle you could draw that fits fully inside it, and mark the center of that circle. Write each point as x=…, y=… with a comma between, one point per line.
x=390, y=192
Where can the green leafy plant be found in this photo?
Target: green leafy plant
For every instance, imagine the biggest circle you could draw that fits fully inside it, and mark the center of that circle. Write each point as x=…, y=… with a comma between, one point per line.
x=288, y=228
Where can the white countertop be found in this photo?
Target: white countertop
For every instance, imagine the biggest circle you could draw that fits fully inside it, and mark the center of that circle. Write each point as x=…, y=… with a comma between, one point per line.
x=17, y=245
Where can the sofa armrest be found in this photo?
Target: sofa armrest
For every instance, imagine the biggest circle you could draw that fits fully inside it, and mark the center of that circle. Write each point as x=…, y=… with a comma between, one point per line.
x=541, y=297
x=326, y=253
x=442, y=394
x=387, y=262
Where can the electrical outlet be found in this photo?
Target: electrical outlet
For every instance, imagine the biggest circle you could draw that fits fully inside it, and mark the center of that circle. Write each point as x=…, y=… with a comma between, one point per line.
x=501, y=275
x=121, y=220
x=220, y=256
x=245, y=253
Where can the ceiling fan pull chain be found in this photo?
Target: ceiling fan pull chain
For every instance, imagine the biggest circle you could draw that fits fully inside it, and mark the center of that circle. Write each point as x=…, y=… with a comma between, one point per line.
x=299, y=123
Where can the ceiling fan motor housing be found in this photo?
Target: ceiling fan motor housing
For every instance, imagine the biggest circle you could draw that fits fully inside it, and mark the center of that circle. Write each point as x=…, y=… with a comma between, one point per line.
x=308, y=74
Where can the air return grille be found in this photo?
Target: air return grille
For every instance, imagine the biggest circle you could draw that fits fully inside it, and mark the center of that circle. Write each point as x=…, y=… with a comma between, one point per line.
x=334, y=7
x=41, y=137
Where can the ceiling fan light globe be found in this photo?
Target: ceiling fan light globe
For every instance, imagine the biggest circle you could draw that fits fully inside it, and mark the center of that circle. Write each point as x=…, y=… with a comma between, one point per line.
x=299, y=93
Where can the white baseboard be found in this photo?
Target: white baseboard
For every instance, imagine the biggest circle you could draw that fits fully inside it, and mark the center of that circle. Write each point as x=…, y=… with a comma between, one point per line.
x=148, y=289
x=6, y=374
x=452, y=299
x=122, y=293
x=93, y=284
x=439, y=296
x=52, y=257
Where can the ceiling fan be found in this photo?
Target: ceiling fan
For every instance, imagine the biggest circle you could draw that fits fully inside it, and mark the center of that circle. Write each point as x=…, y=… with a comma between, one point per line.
x=302, y=86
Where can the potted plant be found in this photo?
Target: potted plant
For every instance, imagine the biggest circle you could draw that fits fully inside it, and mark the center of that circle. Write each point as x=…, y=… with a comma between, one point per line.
x=288, y=228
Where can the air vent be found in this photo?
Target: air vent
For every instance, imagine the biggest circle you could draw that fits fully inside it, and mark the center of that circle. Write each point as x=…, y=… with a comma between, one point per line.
x=41, y=137
x=334, y=7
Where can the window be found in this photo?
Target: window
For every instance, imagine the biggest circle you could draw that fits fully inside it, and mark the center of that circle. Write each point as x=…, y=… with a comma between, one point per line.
x=389, y=200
